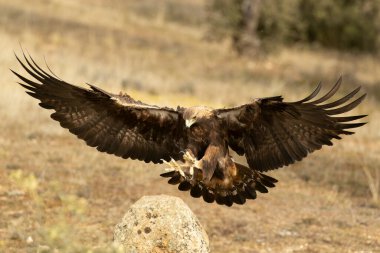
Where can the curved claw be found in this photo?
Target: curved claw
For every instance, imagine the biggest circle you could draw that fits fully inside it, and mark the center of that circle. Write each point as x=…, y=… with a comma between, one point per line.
x=191, y=171
x=189, y=157
x=188, y=170
x=175, y=166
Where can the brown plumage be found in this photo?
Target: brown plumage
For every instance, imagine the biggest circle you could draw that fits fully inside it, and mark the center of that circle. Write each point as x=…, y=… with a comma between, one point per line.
x=269, y=132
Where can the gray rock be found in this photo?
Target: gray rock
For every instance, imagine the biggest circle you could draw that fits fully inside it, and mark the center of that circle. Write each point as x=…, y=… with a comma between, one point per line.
x=160, y=224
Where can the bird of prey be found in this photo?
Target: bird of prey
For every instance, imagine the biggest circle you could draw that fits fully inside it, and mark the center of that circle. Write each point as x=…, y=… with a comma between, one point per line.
x=195, y=141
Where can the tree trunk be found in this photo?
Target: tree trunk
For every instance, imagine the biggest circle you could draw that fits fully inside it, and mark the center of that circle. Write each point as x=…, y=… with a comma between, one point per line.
x=245, y=39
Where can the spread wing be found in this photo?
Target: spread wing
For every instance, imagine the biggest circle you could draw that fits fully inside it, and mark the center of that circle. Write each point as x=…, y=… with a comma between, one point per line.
x=116, y=124
x=272, y=133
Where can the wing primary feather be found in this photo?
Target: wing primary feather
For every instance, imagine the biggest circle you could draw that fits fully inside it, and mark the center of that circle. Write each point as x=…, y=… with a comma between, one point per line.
x=26, y=80
x=29, y=71
x=31, y=88
x=40, y=69
x=36, y=71
x=313, y=94
x=346, y=108
x=334, y=136
x=330, y=93
x=325, y=140
x=35, y=95
x=347, y=132
x=342, y=100
x=24, y=66
x=51, y=71
x=352, y=125
x=349, y=118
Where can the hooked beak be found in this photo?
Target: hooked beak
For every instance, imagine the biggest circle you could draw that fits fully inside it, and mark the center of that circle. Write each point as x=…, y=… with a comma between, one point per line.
x=189, y=122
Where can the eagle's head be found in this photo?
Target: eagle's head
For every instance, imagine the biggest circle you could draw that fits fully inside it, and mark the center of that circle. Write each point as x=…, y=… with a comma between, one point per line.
x=197, y=114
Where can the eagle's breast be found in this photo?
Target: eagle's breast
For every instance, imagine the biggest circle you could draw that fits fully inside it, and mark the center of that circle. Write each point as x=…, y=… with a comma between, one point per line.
x=199, y=132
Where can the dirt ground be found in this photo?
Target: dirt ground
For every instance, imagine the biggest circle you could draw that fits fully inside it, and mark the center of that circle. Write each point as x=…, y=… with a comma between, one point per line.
x=58, y=195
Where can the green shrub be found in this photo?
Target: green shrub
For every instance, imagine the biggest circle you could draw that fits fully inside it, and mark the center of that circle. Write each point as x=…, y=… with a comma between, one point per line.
x=338, y=24
x=342, y=24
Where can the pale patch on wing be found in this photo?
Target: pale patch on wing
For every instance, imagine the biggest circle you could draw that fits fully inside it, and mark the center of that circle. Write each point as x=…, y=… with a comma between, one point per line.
x=122, y=101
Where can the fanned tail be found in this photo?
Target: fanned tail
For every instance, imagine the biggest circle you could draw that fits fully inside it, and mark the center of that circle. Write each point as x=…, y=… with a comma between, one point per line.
x=244, y=185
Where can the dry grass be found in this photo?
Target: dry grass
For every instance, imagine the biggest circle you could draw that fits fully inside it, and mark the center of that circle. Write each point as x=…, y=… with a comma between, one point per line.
x=67, y=196
x=373, y=180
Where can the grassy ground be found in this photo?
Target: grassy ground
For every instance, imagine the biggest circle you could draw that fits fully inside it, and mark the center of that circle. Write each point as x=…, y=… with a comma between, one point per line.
x=57, y=193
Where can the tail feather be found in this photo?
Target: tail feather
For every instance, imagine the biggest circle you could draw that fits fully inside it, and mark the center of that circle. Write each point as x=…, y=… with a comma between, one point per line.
x=196, y=191
x=208, y=195
x=184, y=186
x=260, y=187
x=250, y=193
x=176, y=179
x=244, y=185
x=268, y=178
x=267, y=183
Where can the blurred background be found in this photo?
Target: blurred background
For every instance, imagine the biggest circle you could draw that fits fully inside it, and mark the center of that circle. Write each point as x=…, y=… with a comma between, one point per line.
x=58, y=195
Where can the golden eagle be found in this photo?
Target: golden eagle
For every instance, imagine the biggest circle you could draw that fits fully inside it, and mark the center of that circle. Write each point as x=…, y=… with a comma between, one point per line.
x=269, y=132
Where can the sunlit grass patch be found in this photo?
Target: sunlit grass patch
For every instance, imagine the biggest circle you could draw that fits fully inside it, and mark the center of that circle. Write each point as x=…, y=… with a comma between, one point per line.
x=57, y=213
